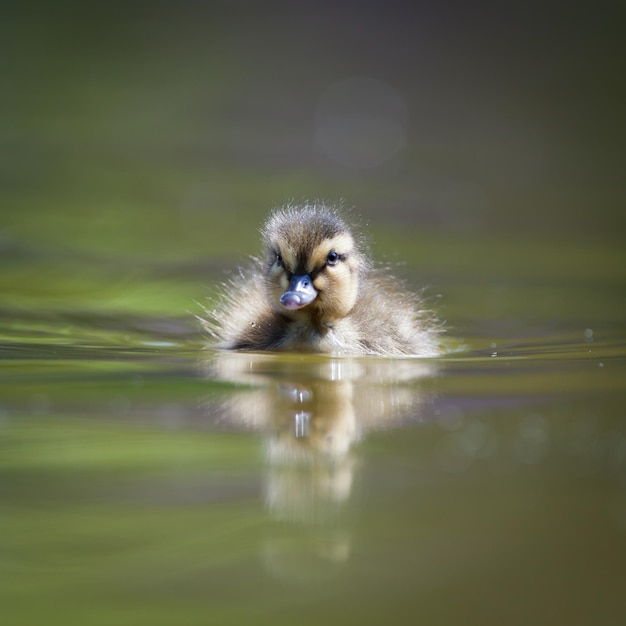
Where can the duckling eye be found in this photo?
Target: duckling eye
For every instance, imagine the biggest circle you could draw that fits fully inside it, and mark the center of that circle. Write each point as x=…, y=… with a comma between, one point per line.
x=332, y=258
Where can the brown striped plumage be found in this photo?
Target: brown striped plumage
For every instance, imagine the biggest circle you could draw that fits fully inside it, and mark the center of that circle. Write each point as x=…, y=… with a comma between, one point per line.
x=314, y=290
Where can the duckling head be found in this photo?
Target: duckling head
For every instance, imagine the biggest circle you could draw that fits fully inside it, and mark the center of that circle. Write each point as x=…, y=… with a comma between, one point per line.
x=314, y=264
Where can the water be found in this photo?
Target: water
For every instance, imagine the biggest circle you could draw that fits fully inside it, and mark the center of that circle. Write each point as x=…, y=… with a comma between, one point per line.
x=147, y=479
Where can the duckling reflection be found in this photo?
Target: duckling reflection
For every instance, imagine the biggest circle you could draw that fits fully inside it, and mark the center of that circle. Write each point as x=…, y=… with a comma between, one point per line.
x=311, y=411
x=316, y=290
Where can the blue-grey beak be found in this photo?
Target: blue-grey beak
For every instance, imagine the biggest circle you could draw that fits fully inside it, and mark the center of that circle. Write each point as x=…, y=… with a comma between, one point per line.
x=299, y=293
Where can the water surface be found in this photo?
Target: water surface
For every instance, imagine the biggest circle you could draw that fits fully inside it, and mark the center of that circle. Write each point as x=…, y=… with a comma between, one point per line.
x=146, y=479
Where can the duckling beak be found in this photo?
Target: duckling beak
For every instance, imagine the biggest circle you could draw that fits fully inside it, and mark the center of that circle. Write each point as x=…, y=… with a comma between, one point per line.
x=300, y=292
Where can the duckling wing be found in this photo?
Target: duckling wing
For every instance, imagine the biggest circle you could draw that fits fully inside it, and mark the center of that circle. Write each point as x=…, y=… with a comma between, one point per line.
x=392, y=320
x=242, y=318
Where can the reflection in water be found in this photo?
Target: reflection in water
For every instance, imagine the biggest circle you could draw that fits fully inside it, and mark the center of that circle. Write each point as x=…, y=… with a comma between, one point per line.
x=311, y=410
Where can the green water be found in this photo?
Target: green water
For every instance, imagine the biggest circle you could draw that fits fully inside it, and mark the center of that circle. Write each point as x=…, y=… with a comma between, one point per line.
x=146, y=479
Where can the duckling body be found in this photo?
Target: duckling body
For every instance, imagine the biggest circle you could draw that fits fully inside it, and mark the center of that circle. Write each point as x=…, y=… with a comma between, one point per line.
x=314, y=290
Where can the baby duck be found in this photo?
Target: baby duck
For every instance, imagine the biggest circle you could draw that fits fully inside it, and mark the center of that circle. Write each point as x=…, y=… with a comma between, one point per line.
x=315, y=291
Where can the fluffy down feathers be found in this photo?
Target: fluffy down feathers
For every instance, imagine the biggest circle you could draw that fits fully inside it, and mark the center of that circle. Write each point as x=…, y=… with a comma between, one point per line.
x=314, y=290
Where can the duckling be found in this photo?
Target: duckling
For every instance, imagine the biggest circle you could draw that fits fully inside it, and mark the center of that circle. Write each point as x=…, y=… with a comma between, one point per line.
x=315, y=290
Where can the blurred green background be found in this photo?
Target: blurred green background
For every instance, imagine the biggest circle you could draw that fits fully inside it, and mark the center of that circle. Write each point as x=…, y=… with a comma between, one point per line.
x=143, y=143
